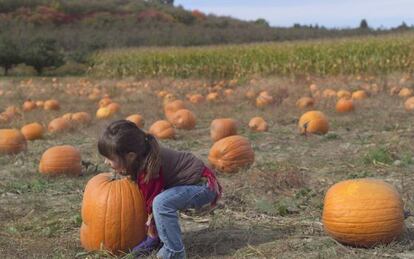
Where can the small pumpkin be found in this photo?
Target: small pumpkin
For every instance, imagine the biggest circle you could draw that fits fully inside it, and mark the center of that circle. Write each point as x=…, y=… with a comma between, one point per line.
x=12, y=141
x=328, y=93
x=305, y=102
x=137, y=119
x=405, y=92
x=104, y=113
x=344, y=105
x=51, y=105
x=409, y=104
x=40, y=104
x=221, y=128
x=231, y=154
x=196, y=98
x=359, y=95
x=67, y=116
x=355, y=211
x=32, y=131
x=162, y=93
x=184, y=119
x=228, y=92
x=104, y=102
x=258, y=124
x=313, y=87
x=250, y=94
x=172, y=107
x=212, y=97
x=117, y=204
x=162, y=129
x=64, y=159
x=343, y=94
x=114, y=107
x=313, y=122
x=29, y=105
x=264, y=99
x=81, y=117
x=59, y=125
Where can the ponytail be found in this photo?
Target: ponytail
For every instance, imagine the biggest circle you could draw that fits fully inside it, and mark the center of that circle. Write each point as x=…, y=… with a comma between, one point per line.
x=153, y=160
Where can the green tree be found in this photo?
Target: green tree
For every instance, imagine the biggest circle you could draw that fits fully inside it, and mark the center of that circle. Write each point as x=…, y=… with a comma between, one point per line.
x=262, y=22
x=9, y=54
x=43, y=53
x=363, y=24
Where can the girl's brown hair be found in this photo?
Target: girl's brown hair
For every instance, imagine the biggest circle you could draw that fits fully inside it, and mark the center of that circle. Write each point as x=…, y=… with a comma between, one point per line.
x=122, y=137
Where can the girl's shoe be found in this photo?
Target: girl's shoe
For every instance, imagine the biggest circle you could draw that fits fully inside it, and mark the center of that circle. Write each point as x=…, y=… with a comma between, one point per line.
x=147, y=246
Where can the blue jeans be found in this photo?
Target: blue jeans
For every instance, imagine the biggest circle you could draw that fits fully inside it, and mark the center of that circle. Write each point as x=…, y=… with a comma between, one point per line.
x=165, y=209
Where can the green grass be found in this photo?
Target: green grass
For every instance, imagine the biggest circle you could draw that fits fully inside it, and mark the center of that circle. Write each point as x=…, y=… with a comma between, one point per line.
x=378, y=155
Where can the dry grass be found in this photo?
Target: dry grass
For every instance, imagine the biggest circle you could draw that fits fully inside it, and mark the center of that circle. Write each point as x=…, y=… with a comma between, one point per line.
x=270, y=210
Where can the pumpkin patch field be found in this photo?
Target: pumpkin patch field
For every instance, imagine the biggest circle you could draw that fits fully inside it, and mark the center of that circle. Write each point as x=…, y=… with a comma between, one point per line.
x=315, y=167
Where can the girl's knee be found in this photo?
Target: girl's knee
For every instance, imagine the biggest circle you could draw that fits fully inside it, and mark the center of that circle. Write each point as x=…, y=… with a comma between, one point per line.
x=158, y=202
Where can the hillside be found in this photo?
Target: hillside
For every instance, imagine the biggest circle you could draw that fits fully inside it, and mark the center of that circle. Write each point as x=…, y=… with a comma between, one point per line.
x=73, y=29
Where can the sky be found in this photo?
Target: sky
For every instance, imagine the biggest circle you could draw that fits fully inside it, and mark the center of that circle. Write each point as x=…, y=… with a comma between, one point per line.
x=328, y=13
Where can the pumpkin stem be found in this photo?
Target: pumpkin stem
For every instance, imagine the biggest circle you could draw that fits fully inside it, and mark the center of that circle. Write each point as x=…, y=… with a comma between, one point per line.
x=305, y=127
x=115, y=176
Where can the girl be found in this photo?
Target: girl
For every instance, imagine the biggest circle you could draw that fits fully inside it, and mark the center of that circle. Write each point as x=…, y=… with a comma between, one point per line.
x=169, y=181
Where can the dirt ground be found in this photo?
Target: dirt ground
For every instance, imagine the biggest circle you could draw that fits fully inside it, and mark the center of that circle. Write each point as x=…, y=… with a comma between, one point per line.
x=270, y=210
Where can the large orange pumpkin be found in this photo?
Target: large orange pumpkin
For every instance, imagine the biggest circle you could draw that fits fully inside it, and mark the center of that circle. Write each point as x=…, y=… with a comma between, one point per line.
x=221, y=128
x=113, y=214
x=32, y=131
x=64, y=159
x=363, y=212
x=258, y=124
x=59, y=125
x=137, y=119
x=184, y=119
x=344, y=105
x=162, y=129
x=313, y=122
x=12, y=141
x=231, y=154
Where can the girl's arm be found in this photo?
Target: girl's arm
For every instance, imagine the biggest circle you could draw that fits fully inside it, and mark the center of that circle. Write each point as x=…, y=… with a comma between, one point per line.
x=149, y=191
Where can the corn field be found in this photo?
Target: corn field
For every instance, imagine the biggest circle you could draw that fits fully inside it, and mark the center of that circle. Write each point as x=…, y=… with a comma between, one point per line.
x=368, y=55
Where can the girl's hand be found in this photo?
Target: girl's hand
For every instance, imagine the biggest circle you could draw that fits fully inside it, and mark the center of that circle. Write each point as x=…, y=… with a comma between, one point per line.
x=149, y=219
x=151, y=228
